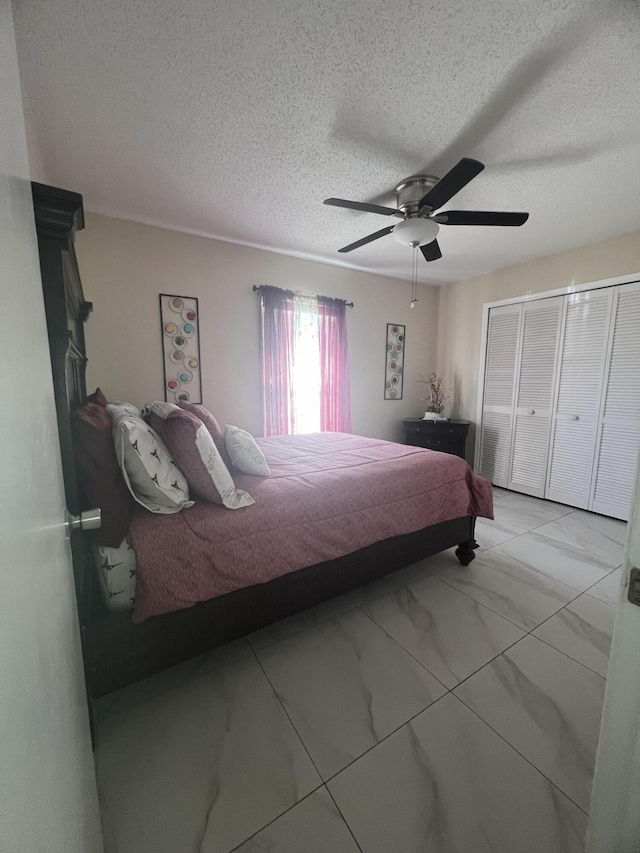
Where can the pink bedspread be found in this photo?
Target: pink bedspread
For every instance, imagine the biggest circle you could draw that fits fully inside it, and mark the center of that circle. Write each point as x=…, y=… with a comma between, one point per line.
x=329, y=494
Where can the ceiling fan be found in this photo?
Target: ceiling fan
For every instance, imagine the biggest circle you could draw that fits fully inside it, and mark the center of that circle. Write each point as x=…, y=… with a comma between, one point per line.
x=418, y=198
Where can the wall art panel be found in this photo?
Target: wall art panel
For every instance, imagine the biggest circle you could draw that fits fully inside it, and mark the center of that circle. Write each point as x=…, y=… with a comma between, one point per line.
x=394, y=370
x=181, y=348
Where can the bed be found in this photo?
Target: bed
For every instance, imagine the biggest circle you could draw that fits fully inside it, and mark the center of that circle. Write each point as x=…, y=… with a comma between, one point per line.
x=197, y=588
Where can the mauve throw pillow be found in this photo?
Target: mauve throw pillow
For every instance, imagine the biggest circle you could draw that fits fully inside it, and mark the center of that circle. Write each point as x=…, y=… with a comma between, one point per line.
x=207, y=419
x=98, y=397
x=196, y=454
x=99, y=473
x=215, y=430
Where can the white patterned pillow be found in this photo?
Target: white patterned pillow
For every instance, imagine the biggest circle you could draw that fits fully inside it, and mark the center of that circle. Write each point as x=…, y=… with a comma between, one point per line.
x=244, y=452
x=117, y=575
x=152, y=476
x=127, y=407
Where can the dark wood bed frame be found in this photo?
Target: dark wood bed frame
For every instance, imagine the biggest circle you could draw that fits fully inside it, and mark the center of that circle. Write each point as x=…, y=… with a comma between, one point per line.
x=116, y=651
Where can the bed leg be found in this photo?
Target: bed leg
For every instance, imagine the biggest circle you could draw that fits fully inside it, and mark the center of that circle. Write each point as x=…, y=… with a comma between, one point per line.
x=464, y=551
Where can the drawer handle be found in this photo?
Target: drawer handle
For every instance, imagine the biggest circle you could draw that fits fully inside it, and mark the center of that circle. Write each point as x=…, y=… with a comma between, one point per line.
x=575, y=418
x=531, y=411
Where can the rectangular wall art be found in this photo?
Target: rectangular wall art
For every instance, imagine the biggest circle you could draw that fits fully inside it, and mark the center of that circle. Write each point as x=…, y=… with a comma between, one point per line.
x=394, y=371
x=180, y=348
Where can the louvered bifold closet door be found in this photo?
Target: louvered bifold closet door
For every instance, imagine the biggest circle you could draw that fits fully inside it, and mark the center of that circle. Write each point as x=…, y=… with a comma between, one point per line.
x=617, y=455
x=578, y=398
x=535, y=385
x=499, y=387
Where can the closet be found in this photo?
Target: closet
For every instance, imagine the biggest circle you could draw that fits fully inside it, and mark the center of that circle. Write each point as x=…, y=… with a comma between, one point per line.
x=561, y=398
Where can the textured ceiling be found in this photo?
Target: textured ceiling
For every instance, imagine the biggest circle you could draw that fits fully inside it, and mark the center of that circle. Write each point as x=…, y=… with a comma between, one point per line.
x=236, y=119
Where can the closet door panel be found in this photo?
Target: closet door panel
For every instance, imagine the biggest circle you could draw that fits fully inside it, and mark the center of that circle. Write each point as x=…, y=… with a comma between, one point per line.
x=617, y=461
x=529, y=456
x=620, y=431
x=578, y=398
x=572, y=463
x=534, y=395
x=499, y=381
x=583, y=354
x=496, y=444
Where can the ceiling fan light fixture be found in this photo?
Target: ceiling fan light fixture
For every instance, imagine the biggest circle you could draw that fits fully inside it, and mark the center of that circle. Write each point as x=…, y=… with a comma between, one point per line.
x=416, y=231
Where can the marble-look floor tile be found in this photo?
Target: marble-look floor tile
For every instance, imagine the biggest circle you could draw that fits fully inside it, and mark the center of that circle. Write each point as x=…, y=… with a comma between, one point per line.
x=445, y=630
x=558, y=560
x=299, y=622
x=546, y=706
x=522, y=512
x=597, y=534
x=170, y=678
x=313, y=826
x=202, y=767
x=445, y=783
x=520, y=594
x=582, y=630
x=491, y=533
x=395, y=580
x=520, y=499
x=609, y=589
x=346, y=685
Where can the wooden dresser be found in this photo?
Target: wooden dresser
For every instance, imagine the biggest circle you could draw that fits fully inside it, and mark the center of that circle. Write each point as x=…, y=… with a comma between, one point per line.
x=445, y=436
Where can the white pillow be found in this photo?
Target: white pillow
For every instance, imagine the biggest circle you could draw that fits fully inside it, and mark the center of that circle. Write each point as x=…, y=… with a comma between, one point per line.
x=244, y=452
x=117, y=574
x=151, y=475
x=127, y=407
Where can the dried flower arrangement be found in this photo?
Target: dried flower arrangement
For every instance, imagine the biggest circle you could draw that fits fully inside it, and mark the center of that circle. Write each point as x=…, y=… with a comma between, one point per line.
x=437, y=396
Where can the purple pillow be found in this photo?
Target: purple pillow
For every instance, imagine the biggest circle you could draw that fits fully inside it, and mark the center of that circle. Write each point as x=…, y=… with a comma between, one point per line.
x=195, y=454
x=99, y=398
x=207, y=419
x=99, y=473
x=216, y=433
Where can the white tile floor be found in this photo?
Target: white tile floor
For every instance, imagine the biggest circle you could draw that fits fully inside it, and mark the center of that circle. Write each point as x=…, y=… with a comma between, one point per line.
x=439, y=709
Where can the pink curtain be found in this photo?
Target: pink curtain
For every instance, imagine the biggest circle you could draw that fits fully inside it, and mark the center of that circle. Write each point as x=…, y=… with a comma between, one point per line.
x=277, y=343
x=335, y=388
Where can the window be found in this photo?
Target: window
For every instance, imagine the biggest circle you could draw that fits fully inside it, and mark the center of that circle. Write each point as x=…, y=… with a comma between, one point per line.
x=305, y=363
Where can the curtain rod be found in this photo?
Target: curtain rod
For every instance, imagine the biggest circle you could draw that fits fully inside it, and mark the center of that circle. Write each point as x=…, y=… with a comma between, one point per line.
x=257, y=288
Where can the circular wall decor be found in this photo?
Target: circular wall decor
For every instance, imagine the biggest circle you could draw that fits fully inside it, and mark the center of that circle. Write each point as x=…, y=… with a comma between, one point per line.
x=185, y=376
x=190, y=315
x=183, y=396
x=176, y=356
x=176, y=304
x=193, y=363
x=180, y=341
x=173, y=384
x=170, y=328
x=188, y=330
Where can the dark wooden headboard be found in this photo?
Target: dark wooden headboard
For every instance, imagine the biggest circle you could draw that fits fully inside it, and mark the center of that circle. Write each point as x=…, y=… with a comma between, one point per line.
x=58, y=216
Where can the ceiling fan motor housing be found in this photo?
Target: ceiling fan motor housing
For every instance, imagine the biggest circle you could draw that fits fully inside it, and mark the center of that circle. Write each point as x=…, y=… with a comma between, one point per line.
x=411, y=190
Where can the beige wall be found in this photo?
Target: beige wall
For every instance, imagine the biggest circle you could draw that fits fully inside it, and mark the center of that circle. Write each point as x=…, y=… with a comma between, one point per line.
x=460, y=305
x=125, y=266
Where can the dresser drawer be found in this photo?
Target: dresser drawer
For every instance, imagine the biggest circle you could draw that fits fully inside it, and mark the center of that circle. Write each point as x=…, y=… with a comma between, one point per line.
x=444, y=436
x=445, y=444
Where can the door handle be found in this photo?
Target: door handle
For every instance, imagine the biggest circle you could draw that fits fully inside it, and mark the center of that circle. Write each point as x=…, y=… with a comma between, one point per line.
x=531, y=411
x=91, y=519
x=574, y=418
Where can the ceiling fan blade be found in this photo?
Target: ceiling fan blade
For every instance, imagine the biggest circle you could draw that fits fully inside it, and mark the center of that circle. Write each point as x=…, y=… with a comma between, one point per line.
x=480, y=217
x=452, y=183
x=362, y=205
x=368, y=239
x=431, y=251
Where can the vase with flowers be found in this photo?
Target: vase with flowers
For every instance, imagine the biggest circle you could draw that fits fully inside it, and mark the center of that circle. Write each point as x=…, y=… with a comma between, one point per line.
x=435, y=398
